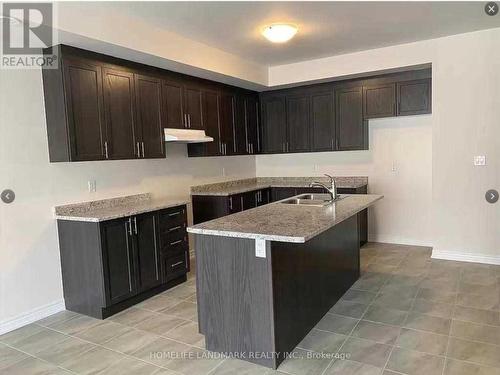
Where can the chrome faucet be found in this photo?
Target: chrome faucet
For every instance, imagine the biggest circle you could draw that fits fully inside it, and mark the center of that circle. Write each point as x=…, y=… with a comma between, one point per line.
x=332, y=189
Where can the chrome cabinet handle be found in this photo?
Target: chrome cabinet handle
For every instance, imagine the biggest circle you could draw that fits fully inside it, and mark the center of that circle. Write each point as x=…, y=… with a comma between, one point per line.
x=129, y=226
x=175, y=242
x=230, y=203
x=106, y=149
x=174, y=213
x=185, y=121
x=142, y=146
x=177, y=264
x=138, y=150
x=135, y=224
x=175, y=228
x=189, y=120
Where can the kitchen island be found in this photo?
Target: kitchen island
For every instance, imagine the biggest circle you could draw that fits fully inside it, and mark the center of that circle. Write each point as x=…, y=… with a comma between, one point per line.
x=267, y=275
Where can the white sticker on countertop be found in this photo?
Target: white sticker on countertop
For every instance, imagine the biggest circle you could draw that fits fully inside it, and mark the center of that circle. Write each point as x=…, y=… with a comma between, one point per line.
x=260, y=248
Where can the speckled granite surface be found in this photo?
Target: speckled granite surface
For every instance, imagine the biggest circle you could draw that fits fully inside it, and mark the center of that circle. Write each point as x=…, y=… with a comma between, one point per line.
x=250, y=184
x=285, y=222
x=114, y=208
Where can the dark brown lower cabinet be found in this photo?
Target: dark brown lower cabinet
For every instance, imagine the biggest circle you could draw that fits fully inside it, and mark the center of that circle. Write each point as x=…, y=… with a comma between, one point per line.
x=111, y=265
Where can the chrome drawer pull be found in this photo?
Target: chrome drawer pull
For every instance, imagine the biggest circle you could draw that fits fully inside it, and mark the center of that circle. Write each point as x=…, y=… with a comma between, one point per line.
x=177, y=264
x=174, y=228
x=174, y=213
x=175, y=242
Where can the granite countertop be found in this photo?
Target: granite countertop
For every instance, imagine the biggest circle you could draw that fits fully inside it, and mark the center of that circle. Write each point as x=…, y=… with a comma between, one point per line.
x=114, y=208
x=250, y=184
x=286, y=222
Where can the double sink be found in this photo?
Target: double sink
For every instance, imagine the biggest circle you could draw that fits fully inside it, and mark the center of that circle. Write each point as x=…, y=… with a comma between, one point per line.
x=315, y=200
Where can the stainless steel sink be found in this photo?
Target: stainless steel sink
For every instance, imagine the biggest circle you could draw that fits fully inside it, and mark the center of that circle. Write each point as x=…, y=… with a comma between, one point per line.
x=315, y=200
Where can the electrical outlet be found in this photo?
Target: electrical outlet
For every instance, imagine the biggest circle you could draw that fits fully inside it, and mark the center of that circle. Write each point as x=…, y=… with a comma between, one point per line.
x=480, y=160
x=92, y=186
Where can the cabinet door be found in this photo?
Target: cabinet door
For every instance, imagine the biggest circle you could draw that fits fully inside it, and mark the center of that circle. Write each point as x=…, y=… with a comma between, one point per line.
x=235, y=203
x=414, y=97
x=227, y=118
x=173, y=111
x=351, y=130
x=118, y=260
x=274, y=125
x=240, y=131
x=192, y=100
x=249, y=200
x=84, y=100
x=149, y=116
x=119, y=110
x=210, y=105
x=298, y=119
x=148, y=261
x=252, y=124
x=322, y=122
x=379, y=101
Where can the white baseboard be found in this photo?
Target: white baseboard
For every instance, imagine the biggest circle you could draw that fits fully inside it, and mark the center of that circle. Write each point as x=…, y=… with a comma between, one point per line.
x=465, y=257
x=398, y=240
x=31, y=316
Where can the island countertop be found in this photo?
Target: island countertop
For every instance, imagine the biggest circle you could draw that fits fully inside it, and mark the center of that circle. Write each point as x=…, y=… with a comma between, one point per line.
x=286, y=222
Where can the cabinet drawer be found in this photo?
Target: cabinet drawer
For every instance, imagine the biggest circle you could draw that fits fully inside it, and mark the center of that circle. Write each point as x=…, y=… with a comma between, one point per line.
x=172, y=246
x=172, y=217
x=175, y=266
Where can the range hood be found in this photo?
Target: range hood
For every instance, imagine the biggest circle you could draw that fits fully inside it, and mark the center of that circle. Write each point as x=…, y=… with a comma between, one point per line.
x=186, y=136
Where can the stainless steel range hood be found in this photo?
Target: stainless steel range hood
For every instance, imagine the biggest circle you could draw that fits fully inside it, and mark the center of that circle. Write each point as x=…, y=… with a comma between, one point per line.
x=186, y=136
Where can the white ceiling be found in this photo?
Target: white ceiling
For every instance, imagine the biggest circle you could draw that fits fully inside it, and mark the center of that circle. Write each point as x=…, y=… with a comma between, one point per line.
x=325, y=28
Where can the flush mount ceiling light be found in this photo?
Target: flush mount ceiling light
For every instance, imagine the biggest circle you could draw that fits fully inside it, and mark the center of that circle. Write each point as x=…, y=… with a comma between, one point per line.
x=279, y=33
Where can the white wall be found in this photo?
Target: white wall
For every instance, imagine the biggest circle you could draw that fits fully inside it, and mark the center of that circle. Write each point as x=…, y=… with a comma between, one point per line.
x=465, y=122
x=30, y=275
x=403, y=143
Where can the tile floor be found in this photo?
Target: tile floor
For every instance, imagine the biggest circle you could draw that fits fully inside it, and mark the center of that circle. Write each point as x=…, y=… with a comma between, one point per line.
x=407, y=314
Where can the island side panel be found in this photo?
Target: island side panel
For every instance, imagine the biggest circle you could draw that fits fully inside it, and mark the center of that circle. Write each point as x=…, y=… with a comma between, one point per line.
x=309, y=278
x=234, y=292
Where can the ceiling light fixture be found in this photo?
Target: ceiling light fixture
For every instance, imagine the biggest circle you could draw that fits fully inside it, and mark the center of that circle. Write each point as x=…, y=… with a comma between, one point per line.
x=280, y=33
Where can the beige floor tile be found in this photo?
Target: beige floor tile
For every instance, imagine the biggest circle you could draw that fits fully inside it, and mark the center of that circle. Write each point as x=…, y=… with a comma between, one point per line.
x=392, y=300
x=39, y=341
x=132, y=316
x=187, y=333
x=385, y=315
x=238, y=367
x=184, y=310
x=303, y=362
x=65, y=350
x=471, y=314
x=160, y=324
x=180, y=292
x=473, y=351
x=130, y=341
x=454, y=367
x=476, y=332
x=366, y=351
x=485, y=302
x=337, y=324
x=92, y=362
x=9, y=356
x=422, y=341
x=415, y=363
x=196, y=362
x=57, y=318
x=74, y=325
x=130, y=366
x=429, y=323
x=102, y=332
x=437, y=295
x=346, y=367
x=351, y=309
x=442, y=310
x=378, y=332
x=370, y=281
x=322, y=342
x=158, y=303
x=358, y=296
x=161, y=351
x=34, y=366
x=11, y=338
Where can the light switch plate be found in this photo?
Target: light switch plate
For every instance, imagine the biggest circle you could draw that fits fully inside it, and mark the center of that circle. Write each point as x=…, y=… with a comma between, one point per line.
x=260, y=248
x=480, y=160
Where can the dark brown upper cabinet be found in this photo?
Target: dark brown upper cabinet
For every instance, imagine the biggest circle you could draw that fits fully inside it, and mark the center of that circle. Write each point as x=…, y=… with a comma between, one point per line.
x=298, y=123
x=192, y=107
x=414, y=97
x=252, y=124
x=227, y=123
x=274, y=131
x=240, y=131
x=173, y=114
x=322, y=121
x=149, y=129
x=119, y=114
x=210, y=106
x=351, y=129
x=379, y=100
